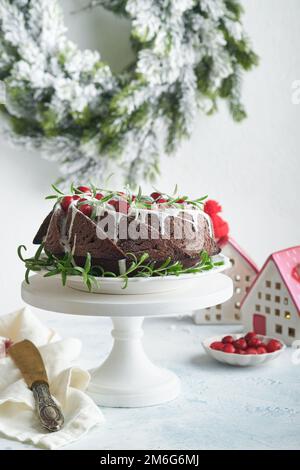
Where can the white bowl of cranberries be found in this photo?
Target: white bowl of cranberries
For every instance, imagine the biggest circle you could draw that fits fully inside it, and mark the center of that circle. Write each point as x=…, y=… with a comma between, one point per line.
x=243, y=350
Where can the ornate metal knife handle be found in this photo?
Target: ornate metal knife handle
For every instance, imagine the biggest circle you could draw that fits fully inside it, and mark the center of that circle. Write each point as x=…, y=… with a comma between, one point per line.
x=50, y=414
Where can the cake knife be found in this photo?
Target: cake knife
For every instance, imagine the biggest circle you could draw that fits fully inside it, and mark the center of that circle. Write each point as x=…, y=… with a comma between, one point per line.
x=29, y=360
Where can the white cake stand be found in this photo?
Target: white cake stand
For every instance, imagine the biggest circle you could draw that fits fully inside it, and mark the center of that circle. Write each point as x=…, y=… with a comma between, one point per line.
x=128, y=378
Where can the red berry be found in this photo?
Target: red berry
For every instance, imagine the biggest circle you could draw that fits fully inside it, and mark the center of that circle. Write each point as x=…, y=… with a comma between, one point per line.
x=180, y=201
x=229, y=348
x=240, y=351
x=273, y=345
x=261, y=350
x=227, y=339
x=133, y=197
x=254, y=342
x=155, y=196
x=161, y=200
x=251, y=351
x=86, y=209
x=217, y=345
x=250, y=335
x=240, y=343
x=121, y=206
x=99, y=196
x=84, y=189
x=65, y=202
x=75, y=197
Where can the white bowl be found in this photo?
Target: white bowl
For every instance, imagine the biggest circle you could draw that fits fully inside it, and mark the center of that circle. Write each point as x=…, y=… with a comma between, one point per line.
x=240, y=359
x=145, y=285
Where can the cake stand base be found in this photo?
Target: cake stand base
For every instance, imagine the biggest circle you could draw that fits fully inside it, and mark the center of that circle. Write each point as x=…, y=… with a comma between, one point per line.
x=128, y=378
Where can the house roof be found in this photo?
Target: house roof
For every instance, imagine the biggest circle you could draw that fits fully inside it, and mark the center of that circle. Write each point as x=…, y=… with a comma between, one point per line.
x=240, y=250
x=288, y=264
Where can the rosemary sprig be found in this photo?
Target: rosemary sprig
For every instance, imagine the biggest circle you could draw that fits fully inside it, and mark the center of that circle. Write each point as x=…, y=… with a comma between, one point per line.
x=91, y=275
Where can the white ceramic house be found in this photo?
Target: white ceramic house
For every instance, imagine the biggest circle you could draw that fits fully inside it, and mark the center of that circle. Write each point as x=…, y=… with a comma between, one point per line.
x=242, y=272
x=272, y=305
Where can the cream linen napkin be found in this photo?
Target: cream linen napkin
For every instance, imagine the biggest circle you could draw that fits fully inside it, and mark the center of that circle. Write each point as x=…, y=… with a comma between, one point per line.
x=18, y=418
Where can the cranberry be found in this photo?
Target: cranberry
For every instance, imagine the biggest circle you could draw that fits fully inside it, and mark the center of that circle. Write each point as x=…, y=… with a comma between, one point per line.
x=75, y=197
x=227, y=339
x=180, y=201
x=240, y=343
x=273, y=345
x=86, y=209
x=161, y=200
x=251, y=351
x=254, y=342
x=155, y=196
x=120, y=206
x=229, y=348
x=84, y=189
x=65, y=202
x=99, y=196
x=250, y=335
x=240, y=351
x=217, y=345
x=261, y=350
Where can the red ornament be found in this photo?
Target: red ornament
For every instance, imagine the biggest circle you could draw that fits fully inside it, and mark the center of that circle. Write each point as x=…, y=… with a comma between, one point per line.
x=240, y=343
x=217, y=345
x=229, y=348
x=273, y=345
x=227, y=339
x=221, y=228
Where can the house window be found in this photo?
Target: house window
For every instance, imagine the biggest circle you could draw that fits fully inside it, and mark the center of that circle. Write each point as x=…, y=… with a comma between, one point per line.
x=287, y=315
x=237, y=316
x=238, y=290
x=277, y=299
x=237, y=305
x=232, y=261
x=219, y=307
x=268, y=296
x=268, y=283
x=257, y=308
x=259, y=295
x=278, y=329
x=237, y=277
x=247, y=278
x=277, y=285
x=207, y=317
x=267, y=310
x=277, y=312
x=218, y=316
x=292, y=332
x=286, y=301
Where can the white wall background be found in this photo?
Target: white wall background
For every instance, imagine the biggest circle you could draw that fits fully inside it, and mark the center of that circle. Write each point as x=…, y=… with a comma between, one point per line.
x=253, y=168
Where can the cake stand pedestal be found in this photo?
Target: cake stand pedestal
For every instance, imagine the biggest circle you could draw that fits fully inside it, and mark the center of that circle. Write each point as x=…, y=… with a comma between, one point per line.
x=128, y=378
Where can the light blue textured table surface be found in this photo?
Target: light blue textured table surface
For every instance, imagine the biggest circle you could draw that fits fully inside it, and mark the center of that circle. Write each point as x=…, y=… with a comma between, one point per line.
x=220, y=407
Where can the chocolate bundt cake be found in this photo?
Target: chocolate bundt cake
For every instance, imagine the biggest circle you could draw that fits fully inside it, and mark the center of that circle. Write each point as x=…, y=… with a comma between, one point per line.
x=114, y=226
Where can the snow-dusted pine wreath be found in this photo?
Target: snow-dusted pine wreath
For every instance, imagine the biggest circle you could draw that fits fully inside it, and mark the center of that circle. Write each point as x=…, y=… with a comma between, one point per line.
x=69, y=104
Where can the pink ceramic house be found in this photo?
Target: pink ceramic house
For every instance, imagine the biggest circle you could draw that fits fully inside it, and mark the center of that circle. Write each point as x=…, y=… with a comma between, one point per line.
x=243, y=271
x=272, y=305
